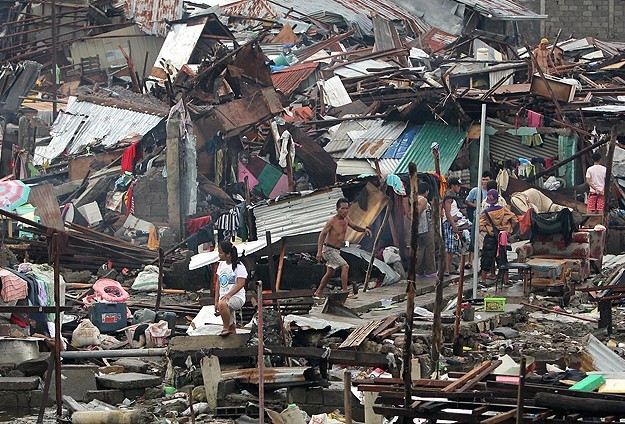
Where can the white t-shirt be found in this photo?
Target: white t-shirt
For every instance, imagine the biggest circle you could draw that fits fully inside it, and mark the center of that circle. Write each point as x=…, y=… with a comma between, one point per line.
x=596, y=174
x=228, y=278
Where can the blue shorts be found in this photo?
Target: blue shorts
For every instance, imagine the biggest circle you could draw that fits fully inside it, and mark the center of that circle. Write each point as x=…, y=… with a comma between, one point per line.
x=450, y=238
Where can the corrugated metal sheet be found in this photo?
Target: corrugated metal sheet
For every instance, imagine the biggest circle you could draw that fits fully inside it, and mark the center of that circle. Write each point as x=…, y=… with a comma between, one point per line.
x=106, y=47
x=505, y=10
x=301, y=215
x=353, y=11
x=508, y=147
x=152, y=15
x=398, y=149
x=449, y=139
x=359, y=69
x=387, y=166
x=340, y=140
x=84, y=123
x=374, y=142
x=289, y=79
x=178, y=46
x=334, y=92
x=354, y=167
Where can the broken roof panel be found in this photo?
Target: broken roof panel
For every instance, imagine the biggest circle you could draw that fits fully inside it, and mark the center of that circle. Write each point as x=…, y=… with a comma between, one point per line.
x=449, y=139
x=296, y=216
x=182, y=40
x=503, y=10
x=353, y=11
x=361, y=68
x=374, y=142
x=85, y=123
x=289, y=79
x=152, y=15
x=340, y=140
x=398, y=149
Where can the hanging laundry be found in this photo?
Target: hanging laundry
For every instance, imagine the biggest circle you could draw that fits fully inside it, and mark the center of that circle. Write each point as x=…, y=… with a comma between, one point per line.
x=130, y=156
x=534, y=119
x=228, y=223
x=287, y=148
x=502, y=180
x=537, y=140
x=13, y=287
x=195, y=224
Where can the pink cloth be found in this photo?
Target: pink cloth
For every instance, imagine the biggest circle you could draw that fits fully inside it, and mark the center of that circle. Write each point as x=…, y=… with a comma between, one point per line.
x=502, y=240
x=13, y=287
x=534, y=119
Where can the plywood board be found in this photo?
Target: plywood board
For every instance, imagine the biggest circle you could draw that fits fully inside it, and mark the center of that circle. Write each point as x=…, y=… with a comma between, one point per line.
x=376, y=202
x=42, y=197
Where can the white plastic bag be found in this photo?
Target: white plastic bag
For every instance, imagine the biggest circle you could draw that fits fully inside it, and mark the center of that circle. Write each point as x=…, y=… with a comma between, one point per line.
x=147, y=280
x=86, y=334
x=156, y=334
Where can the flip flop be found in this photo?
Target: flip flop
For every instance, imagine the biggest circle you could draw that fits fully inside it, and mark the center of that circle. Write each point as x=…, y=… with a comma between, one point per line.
x=224, y=333
x=318, y=297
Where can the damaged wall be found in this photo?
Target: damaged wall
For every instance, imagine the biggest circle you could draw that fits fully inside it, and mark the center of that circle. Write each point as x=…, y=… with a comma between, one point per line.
x=150, y=193
x=578, y=18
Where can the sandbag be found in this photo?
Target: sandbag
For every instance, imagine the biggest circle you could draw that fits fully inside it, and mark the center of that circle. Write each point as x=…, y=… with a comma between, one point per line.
x=156, y=334
x=147, y=280
x=86, y=334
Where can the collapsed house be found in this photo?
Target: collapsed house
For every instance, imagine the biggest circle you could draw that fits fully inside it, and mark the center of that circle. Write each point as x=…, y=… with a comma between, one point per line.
x=166, y=130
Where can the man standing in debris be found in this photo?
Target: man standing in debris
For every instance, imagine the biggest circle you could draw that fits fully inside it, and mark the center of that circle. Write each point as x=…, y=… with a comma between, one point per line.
x=451, y=214
x=425, y=258
x=329, y=244
x=471, y=202
x=595, y=177
x=543, y=57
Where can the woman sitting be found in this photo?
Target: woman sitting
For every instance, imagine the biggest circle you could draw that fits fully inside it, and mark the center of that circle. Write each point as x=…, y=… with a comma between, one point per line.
x=230, y=287
x=496, y=222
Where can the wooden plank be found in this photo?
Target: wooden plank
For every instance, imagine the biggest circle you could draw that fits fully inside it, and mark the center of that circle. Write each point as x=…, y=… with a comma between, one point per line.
x=360, y=334
x=476, y=379
x=384, y=325
x=384, y=334
x=43, y=198
x=500, y=417
x=467, y=377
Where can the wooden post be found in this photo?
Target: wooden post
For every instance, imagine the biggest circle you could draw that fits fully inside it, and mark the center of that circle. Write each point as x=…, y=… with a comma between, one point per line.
x=438, y=299
x=414, y=232
x=159, y=292
x=376, y=241
x=57, y=323
x=280, y=264
x=271, y=263
x=347, y=396
x=608, y=178
x=261, y=355
x=520, y=390
x=459, y=302
x=173, y=175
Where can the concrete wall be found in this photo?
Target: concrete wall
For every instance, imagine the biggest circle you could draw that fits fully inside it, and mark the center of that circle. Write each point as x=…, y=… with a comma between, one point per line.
x=150, y=195
x=577, y=18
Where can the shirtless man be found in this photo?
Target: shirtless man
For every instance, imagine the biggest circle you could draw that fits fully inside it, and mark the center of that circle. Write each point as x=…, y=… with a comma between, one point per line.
x=331, y=239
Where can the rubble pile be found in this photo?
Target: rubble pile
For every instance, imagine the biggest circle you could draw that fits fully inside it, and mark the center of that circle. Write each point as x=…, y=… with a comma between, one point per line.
x=172, y=175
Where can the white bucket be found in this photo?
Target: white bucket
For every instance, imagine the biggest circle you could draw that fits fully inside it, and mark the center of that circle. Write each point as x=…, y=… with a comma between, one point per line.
x=482, y=54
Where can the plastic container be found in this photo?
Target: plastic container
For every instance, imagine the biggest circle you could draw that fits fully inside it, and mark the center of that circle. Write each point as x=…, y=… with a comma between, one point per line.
x=108, y=316
x=494, y=304
x=170, y=317
x=589, y=383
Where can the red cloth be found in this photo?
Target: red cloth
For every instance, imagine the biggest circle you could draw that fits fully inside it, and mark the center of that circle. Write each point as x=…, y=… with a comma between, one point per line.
x=194, y=225
x=534, y=119
x=130, y=156
x=525, y=222
x=130, y=202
